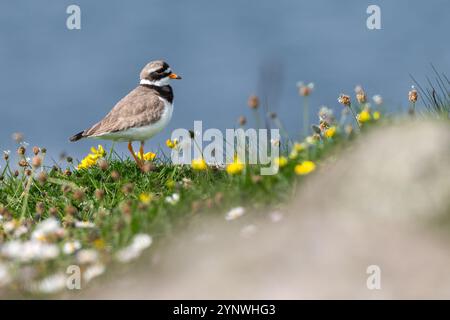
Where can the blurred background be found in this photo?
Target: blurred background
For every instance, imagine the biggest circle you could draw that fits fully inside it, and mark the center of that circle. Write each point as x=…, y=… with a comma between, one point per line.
x=55, y=82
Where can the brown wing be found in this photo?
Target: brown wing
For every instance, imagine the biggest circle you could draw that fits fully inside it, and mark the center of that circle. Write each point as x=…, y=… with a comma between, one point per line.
x=140, y=107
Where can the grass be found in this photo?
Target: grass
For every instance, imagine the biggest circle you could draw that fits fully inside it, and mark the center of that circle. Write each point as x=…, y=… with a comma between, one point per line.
x=54, y=217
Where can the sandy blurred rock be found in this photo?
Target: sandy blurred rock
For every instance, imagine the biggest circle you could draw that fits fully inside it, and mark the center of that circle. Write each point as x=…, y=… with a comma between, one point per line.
x=374, y=206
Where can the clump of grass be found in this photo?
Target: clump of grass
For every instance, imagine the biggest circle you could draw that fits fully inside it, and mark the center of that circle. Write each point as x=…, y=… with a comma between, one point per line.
x=436, y=94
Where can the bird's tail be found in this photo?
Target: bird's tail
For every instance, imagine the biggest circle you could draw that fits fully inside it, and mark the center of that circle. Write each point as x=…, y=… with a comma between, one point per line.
x=77, y=136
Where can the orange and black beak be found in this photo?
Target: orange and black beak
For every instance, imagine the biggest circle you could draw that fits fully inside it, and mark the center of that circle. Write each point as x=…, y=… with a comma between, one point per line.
x=174, y=76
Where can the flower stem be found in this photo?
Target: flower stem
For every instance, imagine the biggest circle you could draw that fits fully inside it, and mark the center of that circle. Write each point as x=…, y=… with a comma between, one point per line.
x=354, y=116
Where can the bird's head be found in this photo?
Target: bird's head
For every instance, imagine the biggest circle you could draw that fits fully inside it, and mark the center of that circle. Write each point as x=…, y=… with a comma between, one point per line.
x=157, y=73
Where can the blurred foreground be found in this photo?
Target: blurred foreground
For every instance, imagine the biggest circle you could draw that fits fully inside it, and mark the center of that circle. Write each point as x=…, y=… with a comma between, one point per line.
x=384, y=202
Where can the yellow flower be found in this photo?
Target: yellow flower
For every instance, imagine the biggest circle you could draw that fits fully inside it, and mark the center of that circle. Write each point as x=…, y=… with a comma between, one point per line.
x=99, y=244
x=172, y=143
x=330, y=132
x=149, y=156
x=99, y=151
x=145, y=198
x=92, y=158
x=364, y=116
x=299, y=147
x=305, y=168
x=235, y=168
x=281, y=161
x=199, y=164
x=376, y=115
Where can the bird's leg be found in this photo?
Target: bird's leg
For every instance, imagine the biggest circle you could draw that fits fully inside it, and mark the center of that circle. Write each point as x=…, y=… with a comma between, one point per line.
x=141, y=150
x=130, y=148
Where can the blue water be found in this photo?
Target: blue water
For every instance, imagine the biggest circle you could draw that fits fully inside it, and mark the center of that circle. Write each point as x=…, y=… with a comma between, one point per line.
x=55, y=82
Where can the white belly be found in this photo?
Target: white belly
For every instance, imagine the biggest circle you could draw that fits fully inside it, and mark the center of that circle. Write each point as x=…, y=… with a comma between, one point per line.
x=142, y=133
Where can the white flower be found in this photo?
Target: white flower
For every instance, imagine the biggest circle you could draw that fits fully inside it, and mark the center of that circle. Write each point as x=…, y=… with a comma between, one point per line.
x=326, y=114
x=24, y=144
x=20, y=230
x=10, y=226
x=234, y=213
x=7, y=152
x=248, y=231
x=87, y=256
x=52, y=284
x=48, y=227
x=5, y=277
x=140, y=242
x=29, y=251
x=71, y=246
x=84, y=224
x=377, y=99
x=93, y=272
x=173, y=199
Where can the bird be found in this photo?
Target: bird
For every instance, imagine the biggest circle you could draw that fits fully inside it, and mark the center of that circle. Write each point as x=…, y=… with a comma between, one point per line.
x=141, y=114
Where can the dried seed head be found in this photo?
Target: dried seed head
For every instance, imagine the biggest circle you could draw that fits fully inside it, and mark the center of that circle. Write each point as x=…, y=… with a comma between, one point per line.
x=40, y=208
x=21, y=150
x=42, y=177
x=27, y=172
x=66, y=189
x=17, y=137
x=5, y=155
x=23, y=163
x=126, y=208
x=70, y=210
x=127, y=188
x=36, y=150
x=344, y=99
x=69, y=159
x=115, y=175
x=413, y=95
x=78, y=195
x=67, y=172
x=53, y=211
x=242, y=121
x=253, y=102
x=256, y=179
x=44, y=150
x=36, y=162
x=99, y=194
x=16, y=173
x=103, y=164
x=148, y=167
x=360, y=95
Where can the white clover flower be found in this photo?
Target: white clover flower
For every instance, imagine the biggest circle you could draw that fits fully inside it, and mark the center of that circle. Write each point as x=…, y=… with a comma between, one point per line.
x=24, y=144
x=84, y=224
x=87, y=256
x=29, y=251
x=5, y=277
x=234, y=213
x=71, y=246
x=173, y=199
x=7, y=152
x=93, y=272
